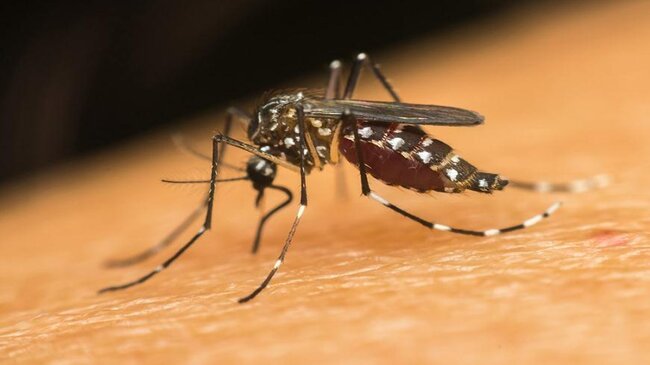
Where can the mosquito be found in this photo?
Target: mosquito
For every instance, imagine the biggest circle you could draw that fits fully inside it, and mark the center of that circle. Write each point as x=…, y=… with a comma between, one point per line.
x=305, y=130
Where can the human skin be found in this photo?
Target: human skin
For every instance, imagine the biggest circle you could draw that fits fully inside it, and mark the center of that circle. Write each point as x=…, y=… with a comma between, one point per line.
x=565, y=95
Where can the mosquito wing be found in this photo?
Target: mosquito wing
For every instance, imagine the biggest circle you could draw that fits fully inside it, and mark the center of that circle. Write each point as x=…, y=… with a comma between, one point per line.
x=392, y=112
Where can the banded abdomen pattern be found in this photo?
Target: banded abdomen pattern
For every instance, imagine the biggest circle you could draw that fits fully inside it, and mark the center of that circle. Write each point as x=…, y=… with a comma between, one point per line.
x=406, y=156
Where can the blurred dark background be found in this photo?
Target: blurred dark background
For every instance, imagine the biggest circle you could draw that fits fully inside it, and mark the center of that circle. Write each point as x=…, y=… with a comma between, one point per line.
x=77, y=76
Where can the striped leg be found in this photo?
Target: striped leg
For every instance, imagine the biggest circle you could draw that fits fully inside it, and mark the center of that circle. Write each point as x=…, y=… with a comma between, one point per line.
x=207, y=224
x=301, y=210
x=361, y=60
x=441, y=227
x=171, y=236
x=333, y=90
x=575, y=186
x=365, y=189
x=150, y=251
x=217, y=140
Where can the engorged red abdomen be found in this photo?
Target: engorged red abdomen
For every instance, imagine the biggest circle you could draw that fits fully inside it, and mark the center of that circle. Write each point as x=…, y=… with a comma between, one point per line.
x=391, y=167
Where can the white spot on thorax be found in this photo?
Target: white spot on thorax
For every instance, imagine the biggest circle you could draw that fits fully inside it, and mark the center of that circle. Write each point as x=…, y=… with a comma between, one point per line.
x=427, y=142
x=455, y=158
x=316, y=123
x=289, y=142
x=482, y=183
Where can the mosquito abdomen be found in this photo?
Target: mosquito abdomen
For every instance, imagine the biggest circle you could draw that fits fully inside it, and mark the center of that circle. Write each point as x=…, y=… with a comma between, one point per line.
x=406, y=156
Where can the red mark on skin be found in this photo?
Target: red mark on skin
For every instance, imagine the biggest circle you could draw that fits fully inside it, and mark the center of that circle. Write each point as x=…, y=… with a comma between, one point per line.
x=610, y=238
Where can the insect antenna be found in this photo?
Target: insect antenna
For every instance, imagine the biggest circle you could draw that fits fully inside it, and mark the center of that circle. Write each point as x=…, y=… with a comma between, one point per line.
x=574, y=186
x=204, y=181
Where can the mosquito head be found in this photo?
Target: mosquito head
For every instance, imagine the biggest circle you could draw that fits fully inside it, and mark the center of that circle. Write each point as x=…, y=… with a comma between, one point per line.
x=261, y=172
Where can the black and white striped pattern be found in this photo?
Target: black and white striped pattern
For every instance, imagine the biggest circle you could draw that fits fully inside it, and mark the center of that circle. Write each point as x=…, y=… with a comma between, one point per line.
x=410, y=141
x=280, y=260
x=485, y=233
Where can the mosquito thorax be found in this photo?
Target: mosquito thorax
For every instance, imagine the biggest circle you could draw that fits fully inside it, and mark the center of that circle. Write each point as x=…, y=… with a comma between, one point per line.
x=274, y=118
x=261, y=172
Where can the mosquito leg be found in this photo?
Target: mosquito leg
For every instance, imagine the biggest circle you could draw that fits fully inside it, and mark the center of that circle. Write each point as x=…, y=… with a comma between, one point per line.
x=173, y=234
x=269, y=214
x=301, y=210
x=255, y=151
x=147, y=253
x=575, y=186
x=207, y=224
x=232, y=112
x=180, y=142
x=367, y=191
x=216, y=141
x=361, y=60
x=333, y=90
